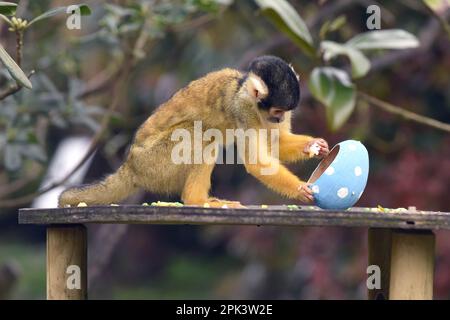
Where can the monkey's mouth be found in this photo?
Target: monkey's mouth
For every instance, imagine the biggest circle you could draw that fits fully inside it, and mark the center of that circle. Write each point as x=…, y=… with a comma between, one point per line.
x=275, y=119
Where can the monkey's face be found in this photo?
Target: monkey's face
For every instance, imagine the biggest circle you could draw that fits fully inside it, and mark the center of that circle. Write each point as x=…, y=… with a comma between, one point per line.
x=280, y=87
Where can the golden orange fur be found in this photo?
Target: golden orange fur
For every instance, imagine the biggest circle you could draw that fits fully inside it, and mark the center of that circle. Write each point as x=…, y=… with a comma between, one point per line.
x=219, y=102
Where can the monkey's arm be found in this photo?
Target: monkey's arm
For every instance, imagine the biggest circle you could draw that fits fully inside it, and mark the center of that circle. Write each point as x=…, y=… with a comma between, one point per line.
x=294, y=147
x=278, y=178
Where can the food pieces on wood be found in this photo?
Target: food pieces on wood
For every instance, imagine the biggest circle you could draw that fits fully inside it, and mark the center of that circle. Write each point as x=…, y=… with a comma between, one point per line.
x=314, y=150
x=167, y=204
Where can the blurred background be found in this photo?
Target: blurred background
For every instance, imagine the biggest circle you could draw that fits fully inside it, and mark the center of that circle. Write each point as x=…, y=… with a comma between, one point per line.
x=93, y=86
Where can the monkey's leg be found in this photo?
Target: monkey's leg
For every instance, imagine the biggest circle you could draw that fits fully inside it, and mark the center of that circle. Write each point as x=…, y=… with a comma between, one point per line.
x=196, y=189
x=197, y=185
x=292, y=147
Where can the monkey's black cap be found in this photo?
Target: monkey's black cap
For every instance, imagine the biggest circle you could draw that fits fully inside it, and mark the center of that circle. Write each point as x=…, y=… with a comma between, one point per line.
x=280, y=79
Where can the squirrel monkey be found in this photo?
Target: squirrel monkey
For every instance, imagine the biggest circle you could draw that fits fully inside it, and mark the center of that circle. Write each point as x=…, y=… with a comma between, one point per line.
x=261, y=98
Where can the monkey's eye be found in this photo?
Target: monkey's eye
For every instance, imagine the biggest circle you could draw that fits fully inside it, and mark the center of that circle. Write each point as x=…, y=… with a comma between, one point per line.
x=276, y=112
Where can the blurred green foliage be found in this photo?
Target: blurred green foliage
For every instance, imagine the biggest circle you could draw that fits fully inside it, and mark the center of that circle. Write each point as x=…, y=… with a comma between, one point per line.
x=64, y=105
x=330, y=86
x=185, y=276
x=173, y=42
x=30, y=260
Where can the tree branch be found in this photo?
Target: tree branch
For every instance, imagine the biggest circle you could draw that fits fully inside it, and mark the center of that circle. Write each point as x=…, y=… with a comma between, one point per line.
x=100, y=83
x=13, y=88
x=19, y=46
x=118, y=89
x=19, y=184
x=405, y=114
x=121, y=83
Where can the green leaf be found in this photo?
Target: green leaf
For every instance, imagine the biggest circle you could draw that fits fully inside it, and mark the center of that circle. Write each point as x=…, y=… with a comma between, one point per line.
x=285, y=18
x=5, y=18
x=334, y=89
x=57, y=120
x=31, y=137
x=360, y=64
x=14, y=69
x=118, y=10
x=84, y=10
x=12, y=158
x=384, y=39
x=34, y=152
x=8, y=8
x=331, y=26
x=438, y=6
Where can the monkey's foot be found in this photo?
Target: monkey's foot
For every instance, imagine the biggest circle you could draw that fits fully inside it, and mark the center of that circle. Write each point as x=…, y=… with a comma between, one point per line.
x=219, y=203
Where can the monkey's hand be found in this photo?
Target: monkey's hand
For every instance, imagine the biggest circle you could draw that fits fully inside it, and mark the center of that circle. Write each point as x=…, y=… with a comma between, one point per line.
x=305, y=193
x=317, y=147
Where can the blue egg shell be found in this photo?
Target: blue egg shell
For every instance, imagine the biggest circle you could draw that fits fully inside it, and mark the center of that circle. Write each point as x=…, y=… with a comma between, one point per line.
x=339, y=180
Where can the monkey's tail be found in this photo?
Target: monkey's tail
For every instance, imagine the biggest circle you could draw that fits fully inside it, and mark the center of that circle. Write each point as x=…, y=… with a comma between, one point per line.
x=113, y=189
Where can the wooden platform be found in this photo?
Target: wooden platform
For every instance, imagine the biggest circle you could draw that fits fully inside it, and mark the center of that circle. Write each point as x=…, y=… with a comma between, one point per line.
x=401, y=244
x=253, y=215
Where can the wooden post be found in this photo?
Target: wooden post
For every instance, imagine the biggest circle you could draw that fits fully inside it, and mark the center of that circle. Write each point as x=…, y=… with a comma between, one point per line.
x=66, y=262
x=412, y=265
x=379, y=245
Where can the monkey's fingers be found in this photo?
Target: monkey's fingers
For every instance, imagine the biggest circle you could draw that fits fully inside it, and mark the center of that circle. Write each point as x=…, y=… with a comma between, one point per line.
x=321, y=142
x=324, y=152
x=306, y=194
x=306, y=200
x=324, y=149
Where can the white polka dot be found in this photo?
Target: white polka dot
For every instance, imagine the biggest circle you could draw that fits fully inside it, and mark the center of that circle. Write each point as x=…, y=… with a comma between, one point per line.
x=358, y=171
x=329, y=171
x=315, y=189
x=352, y=147
x=342, y=193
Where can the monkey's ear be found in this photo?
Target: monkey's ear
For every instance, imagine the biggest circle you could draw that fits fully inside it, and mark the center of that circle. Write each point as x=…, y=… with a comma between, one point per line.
x=256, y=87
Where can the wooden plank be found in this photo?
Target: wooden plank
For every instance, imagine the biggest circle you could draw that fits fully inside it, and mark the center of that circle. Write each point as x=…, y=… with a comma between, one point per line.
x=66, y=262
x=276, y=215
x=379, y=245
x=412, y=265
